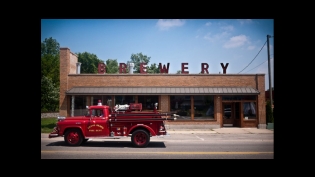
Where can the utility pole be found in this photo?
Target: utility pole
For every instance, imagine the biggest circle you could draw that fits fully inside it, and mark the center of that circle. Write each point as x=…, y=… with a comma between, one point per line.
x=269, y=70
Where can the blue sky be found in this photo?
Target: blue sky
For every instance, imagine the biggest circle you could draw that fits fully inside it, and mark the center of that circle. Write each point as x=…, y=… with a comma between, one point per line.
x=239, y=42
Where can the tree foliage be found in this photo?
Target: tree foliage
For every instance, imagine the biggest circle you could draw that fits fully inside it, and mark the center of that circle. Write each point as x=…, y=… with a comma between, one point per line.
x=49, y=95
x=269, y=112
x=50, y=46
x=50, y=59
x=111, y=66
x=89, y=62
x=137, y=59
x=50, y=80
x=153, y=68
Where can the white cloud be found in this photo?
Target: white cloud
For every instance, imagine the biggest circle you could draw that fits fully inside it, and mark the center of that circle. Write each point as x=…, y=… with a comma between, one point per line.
x=243, y=21
x=216, y=37
x=236, y=41
x=166, y=24
x=208, y=23
x=228, y=28
x=251, y=47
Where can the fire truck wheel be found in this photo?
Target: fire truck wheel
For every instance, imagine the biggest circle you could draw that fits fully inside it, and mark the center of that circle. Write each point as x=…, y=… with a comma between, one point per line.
x=140, y=138
x=73, y=137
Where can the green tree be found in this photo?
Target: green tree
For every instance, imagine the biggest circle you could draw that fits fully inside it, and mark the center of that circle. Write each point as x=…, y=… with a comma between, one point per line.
x=179, y=72
x=153, y=68
x=89, y=62
x=111, y=66
x=50, y=67
x=50, y=59
x=137, y=59
x=50, y=46
x=49, y=95
x=269, y=114
x=50, y=80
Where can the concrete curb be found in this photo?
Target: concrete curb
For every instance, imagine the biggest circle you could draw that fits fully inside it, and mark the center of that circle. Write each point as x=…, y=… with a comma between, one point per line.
x=218, y=131
x=221, y=131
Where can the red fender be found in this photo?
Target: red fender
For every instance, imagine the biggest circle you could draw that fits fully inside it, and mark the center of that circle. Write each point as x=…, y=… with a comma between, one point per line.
x=145, y=127
x=71, y=127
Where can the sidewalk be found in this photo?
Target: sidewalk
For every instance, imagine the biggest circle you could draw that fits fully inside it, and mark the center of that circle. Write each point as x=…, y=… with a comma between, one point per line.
x=228, y=130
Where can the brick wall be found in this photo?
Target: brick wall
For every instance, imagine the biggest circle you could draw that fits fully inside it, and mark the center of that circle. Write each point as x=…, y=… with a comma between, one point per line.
x=69, y=79
x=165, y=103
x=194, y=80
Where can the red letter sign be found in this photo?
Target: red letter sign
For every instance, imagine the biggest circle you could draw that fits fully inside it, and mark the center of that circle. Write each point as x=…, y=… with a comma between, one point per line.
x=164, y=70
x=183, y=67
x=204, y=67
x=224, y=67
x=122, y=67
x=143, y=68
x=101, y=68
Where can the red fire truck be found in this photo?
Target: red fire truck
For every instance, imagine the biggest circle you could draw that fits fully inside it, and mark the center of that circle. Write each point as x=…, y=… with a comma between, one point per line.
x=101, y=122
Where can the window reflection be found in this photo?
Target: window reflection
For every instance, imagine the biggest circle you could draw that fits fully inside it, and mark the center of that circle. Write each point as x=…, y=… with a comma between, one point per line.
x=79, y=105
x=148, y=101
x=249, y=110
x=203, y=106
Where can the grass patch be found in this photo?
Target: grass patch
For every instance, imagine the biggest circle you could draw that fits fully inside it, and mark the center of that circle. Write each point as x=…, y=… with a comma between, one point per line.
x=48, y=124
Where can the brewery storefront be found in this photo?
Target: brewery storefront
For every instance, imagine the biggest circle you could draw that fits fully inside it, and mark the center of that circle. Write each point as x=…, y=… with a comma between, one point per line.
x=212, y=100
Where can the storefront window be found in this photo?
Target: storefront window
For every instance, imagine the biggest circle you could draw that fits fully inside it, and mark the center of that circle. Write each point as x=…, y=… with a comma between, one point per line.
x=249, y=110
x=148, y=101
x=124, y=99
x=238, y=97
x=180, y=105
x=96, y=98
x=203, y=106
x=79, y=105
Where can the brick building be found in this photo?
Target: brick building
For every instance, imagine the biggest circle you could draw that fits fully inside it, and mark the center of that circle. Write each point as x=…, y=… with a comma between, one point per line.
x=208, y=100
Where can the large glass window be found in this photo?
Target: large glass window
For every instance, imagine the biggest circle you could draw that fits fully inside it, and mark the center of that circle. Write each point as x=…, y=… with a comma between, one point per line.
x=96, y=98
x=79, y=105
x=203, y=106
x=104, y=99
x=180, y=105
x=249, y=110
x=124, y=99
x=238, y=97
x=148, y=101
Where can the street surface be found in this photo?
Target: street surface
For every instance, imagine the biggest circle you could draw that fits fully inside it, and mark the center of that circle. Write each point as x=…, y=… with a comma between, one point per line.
x=179, y=145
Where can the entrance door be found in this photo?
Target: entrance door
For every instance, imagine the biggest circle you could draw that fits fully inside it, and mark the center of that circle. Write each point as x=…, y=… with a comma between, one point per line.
x=228, y=119
x=231, y=114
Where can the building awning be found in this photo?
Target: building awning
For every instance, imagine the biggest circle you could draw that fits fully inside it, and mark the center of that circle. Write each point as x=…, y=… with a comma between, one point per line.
x=162, y=91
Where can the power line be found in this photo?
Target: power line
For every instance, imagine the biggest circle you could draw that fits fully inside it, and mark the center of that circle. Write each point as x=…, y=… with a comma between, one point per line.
x=259, y=64
x=254, y=58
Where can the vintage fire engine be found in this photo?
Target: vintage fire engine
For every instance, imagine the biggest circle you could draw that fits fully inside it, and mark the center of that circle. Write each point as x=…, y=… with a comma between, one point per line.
x=101, y=122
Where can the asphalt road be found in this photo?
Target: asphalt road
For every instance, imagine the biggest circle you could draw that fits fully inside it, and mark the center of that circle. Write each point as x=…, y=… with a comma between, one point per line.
x=179, y=145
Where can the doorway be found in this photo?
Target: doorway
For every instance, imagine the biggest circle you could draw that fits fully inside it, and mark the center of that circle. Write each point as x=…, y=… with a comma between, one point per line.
x=231, y=114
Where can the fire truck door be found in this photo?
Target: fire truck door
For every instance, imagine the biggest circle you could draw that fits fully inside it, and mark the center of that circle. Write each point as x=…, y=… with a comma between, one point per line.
x=100, y=126
x=97, y=126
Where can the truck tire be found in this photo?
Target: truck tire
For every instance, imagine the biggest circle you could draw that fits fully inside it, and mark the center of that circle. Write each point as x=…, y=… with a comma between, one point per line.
x=73, y=137
x=140, y=138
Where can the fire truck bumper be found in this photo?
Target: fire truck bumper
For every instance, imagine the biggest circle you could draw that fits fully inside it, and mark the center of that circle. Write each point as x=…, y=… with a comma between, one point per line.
x=166, y=135
x=52, y=135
